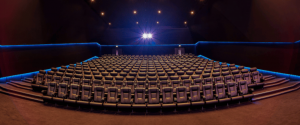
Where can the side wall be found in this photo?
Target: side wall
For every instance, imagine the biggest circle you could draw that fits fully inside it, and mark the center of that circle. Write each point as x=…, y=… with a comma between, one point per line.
x=23, y=59
x=274, y=57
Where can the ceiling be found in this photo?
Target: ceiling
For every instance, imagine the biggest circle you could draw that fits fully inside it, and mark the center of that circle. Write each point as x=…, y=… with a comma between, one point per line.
x=173, y=13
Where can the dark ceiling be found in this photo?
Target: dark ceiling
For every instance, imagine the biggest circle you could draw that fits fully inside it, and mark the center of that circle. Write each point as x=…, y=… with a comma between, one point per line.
x=120, y=13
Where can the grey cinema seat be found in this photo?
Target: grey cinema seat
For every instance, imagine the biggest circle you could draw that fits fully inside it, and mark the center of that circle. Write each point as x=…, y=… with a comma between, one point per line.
x=139, y=98
x=99, y=99
x=74, y=94
x=167, y=94
x=153, y=98
x=126, y=100
x=208, y=95
x=181, y=97
x=86, y=93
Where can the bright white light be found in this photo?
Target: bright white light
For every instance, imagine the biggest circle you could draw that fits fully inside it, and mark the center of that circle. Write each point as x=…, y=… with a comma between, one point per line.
x=145, y=35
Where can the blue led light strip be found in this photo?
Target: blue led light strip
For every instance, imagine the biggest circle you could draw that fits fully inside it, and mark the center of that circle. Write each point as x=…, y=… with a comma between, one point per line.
x=207, y=42
x=279, y=74
x=39, y=45
x=31, y=74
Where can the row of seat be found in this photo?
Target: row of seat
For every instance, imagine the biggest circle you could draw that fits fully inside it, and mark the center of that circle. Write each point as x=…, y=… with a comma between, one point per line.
x=153, y=99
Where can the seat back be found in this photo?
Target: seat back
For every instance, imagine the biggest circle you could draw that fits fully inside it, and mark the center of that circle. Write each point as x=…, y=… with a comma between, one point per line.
x=139, y=96
x=195, y=93
x=62, y=90
x=67, y=80
x=247, y=77
x=208, y=80
x=86, y=81
x=74, y=91
x=76, y=81
x=237, y=77
x=228, y=78
x=232, y=89
x=112, y=94
x=141, y=84
x=51, y=88
x=39, y=78
x=99, y=93
x=125, y=95
x=167, y=94
x=218, y=79
x=220, y=90
x=243, y=87
x=181, y=94
x=86, y=92
x=49, y=78
x=153, y=94
x=255, y=76
x=208, y=91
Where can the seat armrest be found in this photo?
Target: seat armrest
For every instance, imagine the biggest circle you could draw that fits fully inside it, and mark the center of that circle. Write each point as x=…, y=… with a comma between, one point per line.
x=175, y=99
x=160, y=100
x=169, y=84
x=190, y=98
x=203, y=97
x=229, y=95
x=112, y=83
x=131, y=101
x=216, y=96
x=102, y=99
x=117, y=100
x=146, y=100
x=44, y=92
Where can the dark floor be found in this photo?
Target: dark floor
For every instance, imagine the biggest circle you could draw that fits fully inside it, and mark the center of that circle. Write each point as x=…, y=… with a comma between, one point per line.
x=283, y=109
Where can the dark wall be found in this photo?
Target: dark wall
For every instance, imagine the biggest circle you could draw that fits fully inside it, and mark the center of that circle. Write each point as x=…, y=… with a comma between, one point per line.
x=273, y=57
x=148, y=50
x=17, y=60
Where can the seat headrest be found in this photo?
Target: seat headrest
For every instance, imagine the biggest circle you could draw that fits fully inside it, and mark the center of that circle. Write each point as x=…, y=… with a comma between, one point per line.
x=167, y=89
x=86, y=80
x=230, y=84
x=242, y=82
x=198, y=71
x=253, y=69
x=88, y=76
x=185, y=77
x=216, y=74
x=50, y=72
x=225, y=73
x=109, y=78
x=86, y=87
x=220, y=85
x=139, y=90
x=163, y=77
x=244, y=70
x=52, y=83
x=99, y=88
x=241, y=67
x=195, y=76
x=64, y=85
x=205, y=75
x=207, y=86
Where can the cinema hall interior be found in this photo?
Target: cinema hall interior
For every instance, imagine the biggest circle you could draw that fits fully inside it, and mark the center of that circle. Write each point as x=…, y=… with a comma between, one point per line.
x=149, y=62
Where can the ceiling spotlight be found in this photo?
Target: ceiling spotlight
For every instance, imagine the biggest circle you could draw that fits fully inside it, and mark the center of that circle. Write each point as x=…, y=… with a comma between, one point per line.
x=134, y=12
x=102, y=13
x=185, y=22
x=159, y=11
x=192, y=12
x=92, y=0
x=109, y=23
x=137, y=22
x=157, y=22
x=179, y=45
x=145, y=35
x=117, y=46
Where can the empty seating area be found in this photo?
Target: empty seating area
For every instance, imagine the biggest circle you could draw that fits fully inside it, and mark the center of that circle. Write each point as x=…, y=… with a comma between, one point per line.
x=147, y=81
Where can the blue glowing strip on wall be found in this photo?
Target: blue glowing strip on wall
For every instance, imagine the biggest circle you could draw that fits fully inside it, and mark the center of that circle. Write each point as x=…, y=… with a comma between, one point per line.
x=279, y=74
x=31, y=74
x=40, y=45
x=207, y=42
x=152, y=45
x=297, y=41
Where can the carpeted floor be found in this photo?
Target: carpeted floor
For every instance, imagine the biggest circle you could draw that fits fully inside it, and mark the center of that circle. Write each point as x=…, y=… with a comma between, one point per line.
x=283, y=109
